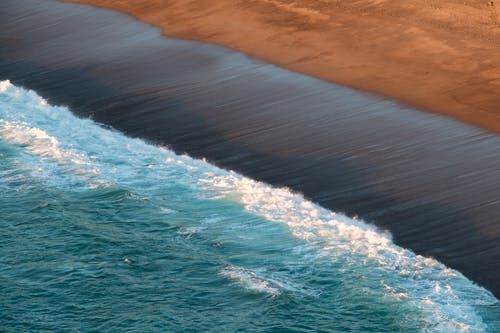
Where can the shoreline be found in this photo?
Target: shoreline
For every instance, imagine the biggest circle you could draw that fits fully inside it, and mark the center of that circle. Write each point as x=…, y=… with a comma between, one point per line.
x=442, y=58
x=431, y=181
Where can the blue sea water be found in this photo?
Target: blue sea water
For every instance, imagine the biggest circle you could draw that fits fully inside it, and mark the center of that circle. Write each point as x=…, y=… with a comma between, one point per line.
x=105, y=233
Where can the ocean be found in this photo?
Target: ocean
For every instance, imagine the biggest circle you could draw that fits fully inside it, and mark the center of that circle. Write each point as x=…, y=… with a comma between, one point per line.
x=106, y=233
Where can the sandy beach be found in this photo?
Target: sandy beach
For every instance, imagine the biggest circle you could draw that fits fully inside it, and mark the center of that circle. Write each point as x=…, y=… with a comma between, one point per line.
x=441, y=56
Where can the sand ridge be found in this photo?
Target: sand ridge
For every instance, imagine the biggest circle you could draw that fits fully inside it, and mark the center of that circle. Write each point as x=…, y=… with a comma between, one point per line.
x=442, y=56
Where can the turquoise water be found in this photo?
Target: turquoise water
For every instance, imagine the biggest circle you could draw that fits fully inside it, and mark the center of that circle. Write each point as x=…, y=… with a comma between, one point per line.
x=105, y=233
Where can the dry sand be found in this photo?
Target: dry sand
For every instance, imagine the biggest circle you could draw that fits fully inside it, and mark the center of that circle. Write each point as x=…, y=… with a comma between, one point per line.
x=440, y=55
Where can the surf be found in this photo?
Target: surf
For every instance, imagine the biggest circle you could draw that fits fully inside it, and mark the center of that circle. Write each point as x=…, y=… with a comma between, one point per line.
x=341, y=263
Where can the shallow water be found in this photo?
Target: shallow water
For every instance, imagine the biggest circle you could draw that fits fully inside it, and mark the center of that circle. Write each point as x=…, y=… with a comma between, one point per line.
x=101, y=232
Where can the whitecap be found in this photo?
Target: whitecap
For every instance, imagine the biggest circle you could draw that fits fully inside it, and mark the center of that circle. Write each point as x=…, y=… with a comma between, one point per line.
x=4, y=85
x=250, y=280
x=361, y=246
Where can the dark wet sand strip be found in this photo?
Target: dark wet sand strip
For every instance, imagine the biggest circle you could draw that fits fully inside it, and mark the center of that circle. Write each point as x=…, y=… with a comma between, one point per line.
x=432, y=181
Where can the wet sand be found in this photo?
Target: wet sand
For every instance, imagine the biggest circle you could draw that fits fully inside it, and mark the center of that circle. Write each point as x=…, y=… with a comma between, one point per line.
x=432, y=181
x=441, y=56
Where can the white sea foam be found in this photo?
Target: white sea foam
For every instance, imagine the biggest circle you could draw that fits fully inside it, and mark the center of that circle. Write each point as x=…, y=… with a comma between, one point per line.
x=446, y=297
x=37, y=141
x=4, y=85
x=443, y=295
x=167, y=210
x=188, y=232
x=260, y=280
x=251, y=280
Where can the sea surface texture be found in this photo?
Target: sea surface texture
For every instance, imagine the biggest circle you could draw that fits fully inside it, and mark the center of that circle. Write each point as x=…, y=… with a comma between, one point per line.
x=105, y=233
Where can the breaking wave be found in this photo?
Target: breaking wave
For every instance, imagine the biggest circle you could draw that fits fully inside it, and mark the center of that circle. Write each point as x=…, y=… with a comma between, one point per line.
x=65, y=152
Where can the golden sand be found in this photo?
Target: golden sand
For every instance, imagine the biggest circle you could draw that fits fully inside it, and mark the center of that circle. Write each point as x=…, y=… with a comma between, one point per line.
x=440, y=55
